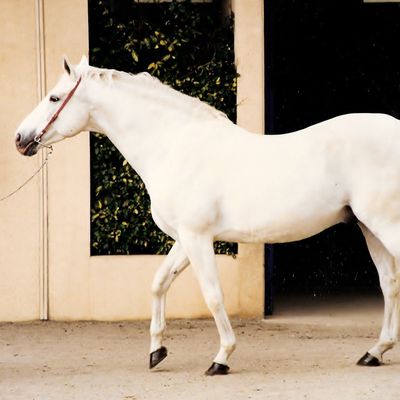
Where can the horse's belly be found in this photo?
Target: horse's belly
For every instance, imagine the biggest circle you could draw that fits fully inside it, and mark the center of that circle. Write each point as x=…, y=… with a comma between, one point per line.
x=282, y=227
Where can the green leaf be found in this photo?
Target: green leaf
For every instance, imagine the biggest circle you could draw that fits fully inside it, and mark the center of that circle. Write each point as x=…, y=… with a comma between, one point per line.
x=134, y=56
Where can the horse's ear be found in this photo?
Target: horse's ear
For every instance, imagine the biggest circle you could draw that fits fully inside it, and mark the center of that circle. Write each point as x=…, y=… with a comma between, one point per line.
x=84, y=61
x=69, y=69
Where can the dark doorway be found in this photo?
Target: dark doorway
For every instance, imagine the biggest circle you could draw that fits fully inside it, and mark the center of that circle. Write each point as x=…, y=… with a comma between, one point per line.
x=323, y=59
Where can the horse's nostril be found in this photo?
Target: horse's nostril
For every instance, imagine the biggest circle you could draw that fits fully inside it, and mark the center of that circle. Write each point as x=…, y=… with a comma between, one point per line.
x=18, y=138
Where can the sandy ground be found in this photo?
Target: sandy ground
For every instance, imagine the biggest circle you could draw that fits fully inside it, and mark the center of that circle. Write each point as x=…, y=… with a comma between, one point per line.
x=306, y=351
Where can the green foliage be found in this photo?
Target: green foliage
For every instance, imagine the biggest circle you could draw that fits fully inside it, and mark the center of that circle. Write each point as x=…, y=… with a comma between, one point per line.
x=185, y=45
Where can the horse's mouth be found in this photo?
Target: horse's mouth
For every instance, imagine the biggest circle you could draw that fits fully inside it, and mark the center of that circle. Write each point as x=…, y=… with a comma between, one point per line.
x=30, y=149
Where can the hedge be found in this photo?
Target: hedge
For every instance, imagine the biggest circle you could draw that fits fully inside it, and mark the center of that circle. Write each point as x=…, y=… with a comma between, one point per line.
x=188, y=46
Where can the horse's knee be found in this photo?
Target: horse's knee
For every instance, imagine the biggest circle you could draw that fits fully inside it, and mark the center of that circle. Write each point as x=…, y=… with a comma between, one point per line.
x=157, y=288
x=164, y=277
x=215, y=302
x=159, y=285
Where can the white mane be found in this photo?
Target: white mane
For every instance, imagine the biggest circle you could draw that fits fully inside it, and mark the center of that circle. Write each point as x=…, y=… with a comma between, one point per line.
x=155, y=89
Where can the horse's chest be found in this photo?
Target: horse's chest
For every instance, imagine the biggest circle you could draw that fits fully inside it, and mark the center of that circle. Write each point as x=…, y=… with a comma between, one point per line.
x=192, y=209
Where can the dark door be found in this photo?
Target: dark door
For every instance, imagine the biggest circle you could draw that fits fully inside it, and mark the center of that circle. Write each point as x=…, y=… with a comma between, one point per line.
x=323, y=59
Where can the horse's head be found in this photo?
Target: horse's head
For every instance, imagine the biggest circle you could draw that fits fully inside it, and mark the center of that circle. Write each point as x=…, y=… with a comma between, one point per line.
x=62, y=113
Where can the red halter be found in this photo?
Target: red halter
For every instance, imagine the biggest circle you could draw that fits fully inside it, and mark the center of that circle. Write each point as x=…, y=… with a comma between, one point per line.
x=57, y=113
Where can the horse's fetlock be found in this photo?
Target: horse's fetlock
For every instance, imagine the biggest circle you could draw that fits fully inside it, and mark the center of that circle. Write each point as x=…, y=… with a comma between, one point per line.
x=388, y=343
x=157, y=330
x=229, y=344
x=230, y=347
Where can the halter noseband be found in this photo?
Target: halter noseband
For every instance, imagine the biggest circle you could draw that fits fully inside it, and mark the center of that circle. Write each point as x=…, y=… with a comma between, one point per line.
x=37, y=138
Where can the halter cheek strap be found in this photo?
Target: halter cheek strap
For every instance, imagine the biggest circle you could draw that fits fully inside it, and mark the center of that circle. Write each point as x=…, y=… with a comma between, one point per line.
x=57, y=113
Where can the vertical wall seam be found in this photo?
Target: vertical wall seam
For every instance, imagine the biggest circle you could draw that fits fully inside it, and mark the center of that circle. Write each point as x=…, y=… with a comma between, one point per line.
x=43, y=176
x=249, y=28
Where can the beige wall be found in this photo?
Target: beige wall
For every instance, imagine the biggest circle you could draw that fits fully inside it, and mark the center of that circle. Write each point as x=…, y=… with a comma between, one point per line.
x=19, y=265
x=48, y=271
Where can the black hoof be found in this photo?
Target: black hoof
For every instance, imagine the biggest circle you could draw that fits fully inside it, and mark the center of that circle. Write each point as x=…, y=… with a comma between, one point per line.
x=217, y=369
x=367, y=360
x=157, y=356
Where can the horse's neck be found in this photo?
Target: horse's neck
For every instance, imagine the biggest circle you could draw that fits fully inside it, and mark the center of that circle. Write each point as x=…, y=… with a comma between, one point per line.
x=134, y=124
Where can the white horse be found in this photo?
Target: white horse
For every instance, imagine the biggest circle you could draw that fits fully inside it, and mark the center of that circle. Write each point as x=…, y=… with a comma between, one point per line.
x=209, y=179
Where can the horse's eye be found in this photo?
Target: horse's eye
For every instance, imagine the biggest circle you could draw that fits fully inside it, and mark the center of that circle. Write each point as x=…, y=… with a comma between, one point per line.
x=54, y=99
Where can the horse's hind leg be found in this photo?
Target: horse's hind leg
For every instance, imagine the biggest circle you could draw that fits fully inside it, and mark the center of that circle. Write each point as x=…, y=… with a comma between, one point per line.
x=175, y=262
x=389, y=277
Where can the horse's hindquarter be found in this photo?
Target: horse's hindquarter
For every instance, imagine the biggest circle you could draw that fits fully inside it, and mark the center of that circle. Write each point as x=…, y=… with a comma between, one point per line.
x=373, y=176
x=250, y=188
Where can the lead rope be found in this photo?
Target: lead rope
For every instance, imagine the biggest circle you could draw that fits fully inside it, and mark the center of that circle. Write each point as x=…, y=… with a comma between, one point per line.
x=37, y=140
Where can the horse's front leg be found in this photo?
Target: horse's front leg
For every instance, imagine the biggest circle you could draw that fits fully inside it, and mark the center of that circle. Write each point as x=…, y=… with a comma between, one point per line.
x=200, y=251
x=175, y=262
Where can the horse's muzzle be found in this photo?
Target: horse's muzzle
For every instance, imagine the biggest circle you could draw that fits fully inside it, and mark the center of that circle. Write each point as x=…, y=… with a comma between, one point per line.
x=25, y=148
